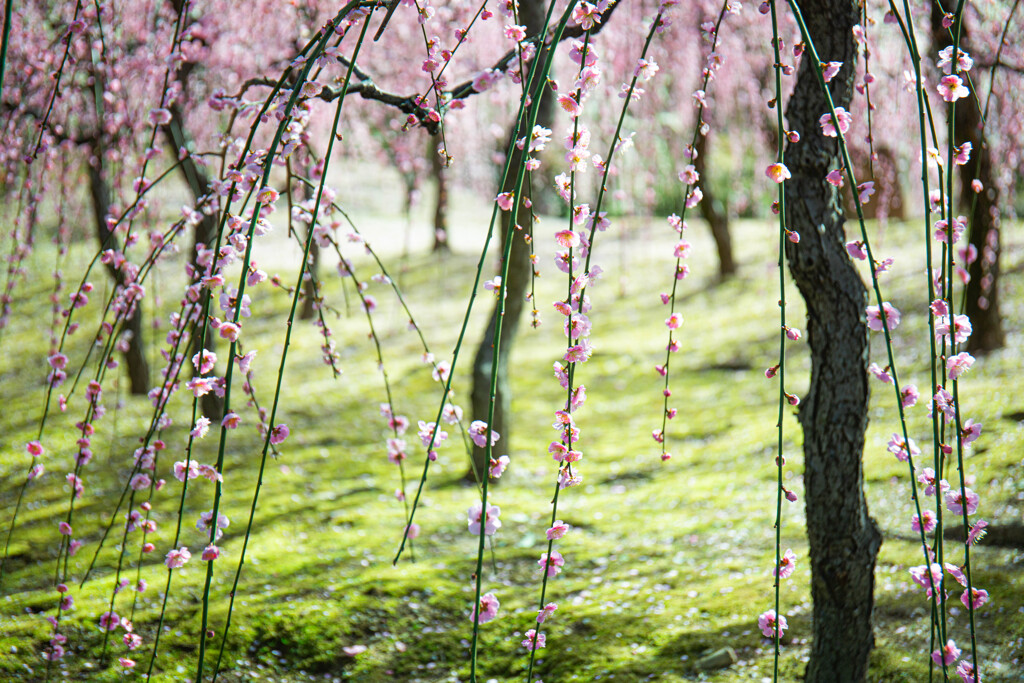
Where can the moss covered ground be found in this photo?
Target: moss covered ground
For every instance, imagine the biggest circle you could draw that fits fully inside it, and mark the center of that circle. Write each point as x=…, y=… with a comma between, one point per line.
x=666, y=562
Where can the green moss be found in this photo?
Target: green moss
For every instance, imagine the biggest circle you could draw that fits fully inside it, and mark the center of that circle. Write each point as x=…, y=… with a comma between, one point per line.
x=667, y=562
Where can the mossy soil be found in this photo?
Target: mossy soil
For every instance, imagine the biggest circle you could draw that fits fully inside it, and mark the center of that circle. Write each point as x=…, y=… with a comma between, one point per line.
x=666, y=561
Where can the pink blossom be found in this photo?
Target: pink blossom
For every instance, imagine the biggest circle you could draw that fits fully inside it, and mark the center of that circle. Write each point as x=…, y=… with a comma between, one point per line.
x=533, y=639
x=674, y=321
x=778, y=172
x=34, y=448
x=579, y=353
x=952, y=88
x=959, y=364
x=829, y=70
x=451, y=414
x=930, y=520
x=768, y=622
x=485, y=79
x=545, y=612
x=570, y=105
x=488, y=608
x=786, y=565
x=491, y=524
x=909, y=395
x=902, y=449
x=928, y=479
x=140, y=481
x=159, y=117
x=689, y=175
x=515, y=33
x=942, y=229
x=201, y=428
x=109, y=621
x=865, y=190
x=856, y=250
x=279, y=433
x=210, y=553
x=947, y=655
x=954, y=501
x=205, y=523
x=926, y=580
x=977, y=532
x=828, y=127
x=231, y=421
x=505, y=200
x=441, y=372
x=979, y=596
x=204, y=361
x=943, y=400
x=880, y=373
x=965, y=670
x=892, y=317
x=552, y=563
x=76, y=482
x=177, y=558
x=963, y=60
x=645, y=69
x=478, y=433
x=567, y=238
x=498, y=467
x=428, y=432
x=835, y=177
x=230, y=331
x=963, y=154
x=396, y=451
x=693, y=197
x=558, y=451
x=961, y=328
x=181, y=467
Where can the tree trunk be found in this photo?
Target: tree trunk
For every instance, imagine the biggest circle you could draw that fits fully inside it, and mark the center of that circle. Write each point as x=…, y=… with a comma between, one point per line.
x=135, y=356
x=519, y=273
x=982, y=295
x=309, y=288
x=205, y=233
x=715, y=211
x=440, y=171
x=844, y=540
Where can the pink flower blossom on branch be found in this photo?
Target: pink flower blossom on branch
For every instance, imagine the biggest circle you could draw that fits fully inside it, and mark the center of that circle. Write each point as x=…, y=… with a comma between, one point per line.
x=768, y=622
x=491, y=524
x=874, y=315
x=828, y=125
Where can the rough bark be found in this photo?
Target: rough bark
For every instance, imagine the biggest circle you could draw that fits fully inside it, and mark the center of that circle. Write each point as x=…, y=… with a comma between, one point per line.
x=205, y=233
x=516, y=284
x=440, y=171
x=135, y=356
x=844, y=540
x=715, y=211
x=309, y=288
x=982, y=295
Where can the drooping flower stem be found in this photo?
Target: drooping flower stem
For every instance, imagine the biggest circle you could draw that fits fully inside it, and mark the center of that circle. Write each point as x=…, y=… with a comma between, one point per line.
x=779, y=453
